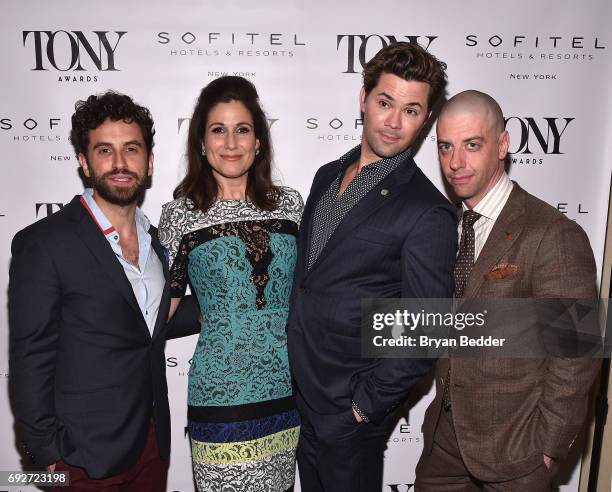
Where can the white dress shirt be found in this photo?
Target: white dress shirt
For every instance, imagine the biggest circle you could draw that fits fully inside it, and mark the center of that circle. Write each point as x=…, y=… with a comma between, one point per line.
x=489, y=207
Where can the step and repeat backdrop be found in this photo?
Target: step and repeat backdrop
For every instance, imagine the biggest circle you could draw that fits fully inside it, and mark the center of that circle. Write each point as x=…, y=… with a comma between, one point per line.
x=547, y=63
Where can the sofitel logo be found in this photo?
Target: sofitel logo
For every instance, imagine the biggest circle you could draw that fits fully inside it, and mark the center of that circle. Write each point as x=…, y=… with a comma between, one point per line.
x=538, y=48
x=544, y=42
x=27, y=123
x=174, y=362
x=336, y=128
x=30, y=129
x=357, y=46
x=70, y=50
x=231, y=44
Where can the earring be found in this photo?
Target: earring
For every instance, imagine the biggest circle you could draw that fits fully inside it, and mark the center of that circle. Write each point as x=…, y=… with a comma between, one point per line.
x=256, y=151
x=203, y=151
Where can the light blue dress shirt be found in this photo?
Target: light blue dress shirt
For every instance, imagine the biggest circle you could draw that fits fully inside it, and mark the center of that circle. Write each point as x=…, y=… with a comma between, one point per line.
x=147, y=279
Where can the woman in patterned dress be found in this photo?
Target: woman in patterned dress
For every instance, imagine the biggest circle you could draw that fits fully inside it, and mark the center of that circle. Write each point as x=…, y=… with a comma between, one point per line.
x=231, y=234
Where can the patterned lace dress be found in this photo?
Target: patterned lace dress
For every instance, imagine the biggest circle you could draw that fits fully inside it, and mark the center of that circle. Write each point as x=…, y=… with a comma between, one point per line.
x=239, y=262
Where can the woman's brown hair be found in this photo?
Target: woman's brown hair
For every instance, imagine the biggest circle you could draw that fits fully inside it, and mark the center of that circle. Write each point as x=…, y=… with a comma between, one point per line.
x=199, y=184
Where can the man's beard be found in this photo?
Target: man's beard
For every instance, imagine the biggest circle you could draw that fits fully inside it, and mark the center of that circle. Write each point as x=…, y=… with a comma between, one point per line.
x=121, y=196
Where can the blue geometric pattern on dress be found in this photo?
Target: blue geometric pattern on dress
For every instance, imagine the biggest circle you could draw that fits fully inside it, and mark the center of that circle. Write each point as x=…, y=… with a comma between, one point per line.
x=245, y=430
x=241, y=354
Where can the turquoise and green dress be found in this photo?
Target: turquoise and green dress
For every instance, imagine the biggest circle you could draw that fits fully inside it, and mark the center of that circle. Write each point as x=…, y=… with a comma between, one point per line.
x=239, y=262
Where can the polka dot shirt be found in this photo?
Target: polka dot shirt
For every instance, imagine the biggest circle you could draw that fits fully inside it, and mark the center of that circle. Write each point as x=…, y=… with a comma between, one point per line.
x=332, y=209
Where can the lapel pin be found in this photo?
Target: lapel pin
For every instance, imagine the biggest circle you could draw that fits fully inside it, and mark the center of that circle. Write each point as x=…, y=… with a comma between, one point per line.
x=508, y=236
x=384, y=192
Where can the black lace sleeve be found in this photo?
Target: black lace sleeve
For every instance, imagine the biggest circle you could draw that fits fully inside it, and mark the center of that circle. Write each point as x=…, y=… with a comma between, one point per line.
x=171, y=226
x=178, y=270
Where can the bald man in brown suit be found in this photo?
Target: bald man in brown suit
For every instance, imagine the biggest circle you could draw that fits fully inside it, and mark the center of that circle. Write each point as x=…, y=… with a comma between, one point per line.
x=502, y=424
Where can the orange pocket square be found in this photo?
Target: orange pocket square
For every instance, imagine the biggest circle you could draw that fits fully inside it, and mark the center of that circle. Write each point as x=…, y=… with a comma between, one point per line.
x=501, y=270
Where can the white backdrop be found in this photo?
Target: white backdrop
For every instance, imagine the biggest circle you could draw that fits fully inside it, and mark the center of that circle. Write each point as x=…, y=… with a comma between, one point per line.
x=547, y=63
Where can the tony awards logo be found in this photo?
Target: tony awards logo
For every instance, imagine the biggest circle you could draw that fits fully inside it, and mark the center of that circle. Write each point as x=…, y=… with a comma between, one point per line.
x=530, y=137
x=74, y=51
x=47, y=209
x=361, y=47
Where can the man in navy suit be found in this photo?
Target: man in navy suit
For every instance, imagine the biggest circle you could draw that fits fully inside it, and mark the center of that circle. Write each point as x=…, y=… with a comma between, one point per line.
x=88, y=305
x=374, y=226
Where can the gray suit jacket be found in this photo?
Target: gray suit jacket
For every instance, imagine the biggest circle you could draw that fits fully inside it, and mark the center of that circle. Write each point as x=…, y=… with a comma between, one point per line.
x=509, y=412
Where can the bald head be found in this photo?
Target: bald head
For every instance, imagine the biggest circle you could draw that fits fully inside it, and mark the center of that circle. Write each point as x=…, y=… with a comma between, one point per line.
x=476, y=103
x=472, y=145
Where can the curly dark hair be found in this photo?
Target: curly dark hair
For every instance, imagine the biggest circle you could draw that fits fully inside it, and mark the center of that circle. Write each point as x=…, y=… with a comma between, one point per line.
x=199, y=184
x=408, y=61
x=90, y=114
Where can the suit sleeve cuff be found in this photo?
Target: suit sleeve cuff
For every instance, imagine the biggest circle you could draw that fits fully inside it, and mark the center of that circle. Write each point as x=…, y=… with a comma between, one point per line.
x=558, y=440
x=43, y=455
x=359, y=412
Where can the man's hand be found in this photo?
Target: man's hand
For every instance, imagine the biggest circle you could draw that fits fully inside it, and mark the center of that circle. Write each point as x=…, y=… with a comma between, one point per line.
x=547, y=461
x=51, y=468
x=357, y=417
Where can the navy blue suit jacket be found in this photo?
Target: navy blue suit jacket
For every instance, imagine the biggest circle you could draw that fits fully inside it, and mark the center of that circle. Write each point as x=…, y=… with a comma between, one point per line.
x=86, y=375
x=400, y=242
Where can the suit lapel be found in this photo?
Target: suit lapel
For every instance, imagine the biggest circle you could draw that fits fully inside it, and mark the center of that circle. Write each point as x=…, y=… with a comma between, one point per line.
x=368, y=205
x=90, y=234
x=505, y=232
x=162, y=313
x=323, y=183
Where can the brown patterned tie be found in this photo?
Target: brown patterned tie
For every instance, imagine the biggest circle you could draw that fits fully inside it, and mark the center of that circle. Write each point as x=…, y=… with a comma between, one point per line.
x=463, y=268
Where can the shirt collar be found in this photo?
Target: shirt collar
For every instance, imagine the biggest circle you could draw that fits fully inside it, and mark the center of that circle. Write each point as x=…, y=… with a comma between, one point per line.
x=493, y=202
x=380, y=165
x=87, y=199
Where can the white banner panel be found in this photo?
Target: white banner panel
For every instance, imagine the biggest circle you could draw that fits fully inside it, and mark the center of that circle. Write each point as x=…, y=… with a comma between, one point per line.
x=547, y=63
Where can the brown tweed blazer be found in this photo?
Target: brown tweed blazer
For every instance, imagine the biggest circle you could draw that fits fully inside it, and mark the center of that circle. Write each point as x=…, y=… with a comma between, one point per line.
x=509, y=412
